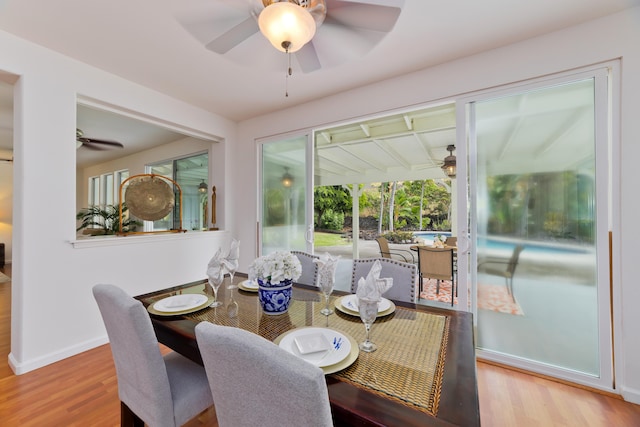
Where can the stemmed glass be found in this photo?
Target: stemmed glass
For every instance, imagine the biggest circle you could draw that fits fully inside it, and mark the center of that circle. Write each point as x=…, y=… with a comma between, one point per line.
x=326, y=286
x=215, y=281
x=231, y=266
x=368, y=313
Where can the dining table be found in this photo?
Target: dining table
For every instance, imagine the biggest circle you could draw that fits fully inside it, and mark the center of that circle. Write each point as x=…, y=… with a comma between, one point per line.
x=423, y=372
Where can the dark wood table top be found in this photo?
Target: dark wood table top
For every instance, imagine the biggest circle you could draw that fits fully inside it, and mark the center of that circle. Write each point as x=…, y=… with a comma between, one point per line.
x=351, y=405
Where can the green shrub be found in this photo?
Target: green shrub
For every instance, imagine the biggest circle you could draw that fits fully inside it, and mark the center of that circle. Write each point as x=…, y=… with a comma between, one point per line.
x=399, y=236
x=331, y=220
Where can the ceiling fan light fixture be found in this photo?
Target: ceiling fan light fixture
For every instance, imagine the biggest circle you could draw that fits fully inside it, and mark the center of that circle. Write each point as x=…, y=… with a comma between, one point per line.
x=449, y=166
x=287, y=26
x=287, y=178
x=202, y=187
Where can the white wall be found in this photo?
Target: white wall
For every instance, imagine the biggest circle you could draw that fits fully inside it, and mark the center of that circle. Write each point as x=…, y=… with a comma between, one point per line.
x=598, y=41
x=6, y=196
x=53, y=312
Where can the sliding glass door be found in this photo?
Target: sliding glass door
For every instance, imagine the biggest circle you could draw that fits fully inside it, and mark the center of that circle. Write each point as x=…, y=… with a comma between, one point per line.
x=286, y=213
x=539, y=192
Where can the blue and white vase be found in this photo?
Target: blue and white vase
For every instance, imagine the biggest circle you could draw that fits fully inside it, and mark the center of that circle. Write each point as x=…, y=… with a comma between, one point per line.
x=274, y=299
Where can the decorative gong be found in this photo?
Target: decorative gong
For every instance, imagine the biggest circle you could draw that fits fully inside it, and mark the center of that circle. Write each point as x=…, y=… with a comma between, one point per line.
x=150, y=197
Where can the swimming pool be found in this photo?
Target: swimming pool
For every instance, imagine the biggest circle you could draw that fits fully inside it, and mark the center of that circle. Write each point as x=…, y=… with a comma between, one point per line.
x=428, y=236
x=508, y=245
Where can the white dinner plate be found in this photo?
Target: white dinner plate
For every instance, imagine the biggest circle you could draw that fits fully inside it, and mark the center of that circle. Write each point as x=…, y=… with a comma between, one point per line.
x=350, y=302
x=180, y=302
x=249, y=285
x=339, y=346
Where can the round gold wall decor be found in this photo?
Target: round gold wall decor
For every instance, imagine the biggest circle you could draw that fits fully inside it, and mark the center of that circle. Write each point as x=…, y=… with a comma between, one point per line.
x=149, y=198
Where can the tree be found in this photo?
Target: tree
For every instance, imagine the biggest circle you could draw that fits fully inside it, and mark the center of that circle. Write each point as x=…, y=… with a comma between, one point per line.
x=392, y=204
x=330, y=200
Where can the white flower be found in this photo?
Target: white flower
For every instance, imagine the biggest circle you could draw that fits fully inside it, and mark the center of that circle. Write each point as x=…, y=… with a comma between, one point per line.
x=276, y=267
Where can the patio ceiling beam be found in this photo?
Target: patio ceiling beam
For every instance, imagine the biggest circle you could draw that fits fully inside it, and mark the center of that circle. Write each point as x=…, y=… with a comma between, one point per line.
x=343, y=166
x=567, y=126
x=408, y=121
x=393, y=153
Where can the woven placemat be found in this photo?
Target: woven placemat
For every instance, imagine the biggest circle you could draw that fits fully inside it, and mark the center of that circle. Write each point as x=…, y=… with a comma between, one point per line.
x=407, y=367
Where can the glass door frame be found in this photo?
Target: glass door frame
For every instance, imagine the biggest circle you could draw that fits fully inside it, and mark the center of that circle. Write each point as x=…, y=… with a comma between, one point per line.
x=308, y=167
x=607, y=95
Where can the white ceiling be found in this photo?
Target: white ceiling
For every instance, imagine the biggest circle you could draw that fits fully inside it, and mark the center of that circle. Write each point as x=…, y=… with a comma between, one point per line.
x=160, y=44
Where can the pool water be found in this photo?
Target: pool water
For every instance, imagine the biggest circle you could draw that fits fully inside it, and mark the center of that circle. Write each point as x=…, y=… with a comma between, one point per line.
x=509, y=245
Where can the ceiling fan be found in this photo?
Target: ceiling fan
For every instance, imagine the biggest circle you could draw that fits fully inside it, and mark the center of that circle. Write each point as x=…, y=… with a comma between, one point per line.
x=344, y=28
x=95, y=144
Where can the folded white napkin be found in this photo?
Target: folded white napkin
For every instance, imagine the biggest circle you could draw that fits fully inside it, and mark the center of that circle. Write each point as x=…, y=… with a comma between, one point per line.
x=215, y=270
x=372, y=288
x=327, y=265
x=230, y=261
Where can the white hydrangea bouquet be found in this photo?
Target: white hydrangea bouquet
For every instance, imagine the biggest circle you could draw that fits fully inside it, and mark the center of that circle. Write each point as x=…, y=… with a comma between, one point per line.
x=276, y=267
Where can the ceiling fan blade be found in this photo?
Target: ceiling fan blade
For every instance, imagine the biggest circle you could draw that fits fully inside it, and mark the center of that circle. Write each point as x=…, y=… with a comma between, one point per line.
x=99, y=144
x=234, y=36
x=308, y=58
x=362, y=15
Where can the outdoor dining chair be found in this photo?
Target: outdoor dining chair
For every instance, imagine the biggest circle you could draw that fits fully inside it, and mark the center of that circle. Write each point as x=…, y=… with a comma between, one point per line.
x=309, y=274
x=503, y=268
x=387, y=252
x=402, y=273
x=256, y=383
x=163, y=391
x=438, y=264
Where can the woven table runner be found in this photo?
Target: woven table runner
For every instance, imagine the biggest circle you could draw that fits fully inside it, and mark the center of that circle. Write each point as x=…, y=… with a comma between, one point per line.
x=407, y=367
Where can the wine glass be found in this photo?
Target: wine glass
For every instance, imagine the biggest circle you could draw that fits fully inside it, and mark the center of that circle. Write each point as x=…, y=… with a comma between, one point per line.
x=215, y=281
x=368, y=312
x=231, y=265
x=326, y=286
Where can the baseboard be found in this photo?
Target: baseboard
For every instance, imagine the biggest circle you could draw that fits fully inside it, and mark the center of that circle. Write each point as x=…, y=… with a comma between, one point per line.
x=631, y=395
x=20, y=368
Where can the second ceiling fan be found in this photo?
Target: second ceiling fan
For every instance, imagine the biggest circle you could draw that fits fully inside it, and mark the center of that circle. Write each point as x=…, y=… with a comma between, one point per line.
x=95, y=144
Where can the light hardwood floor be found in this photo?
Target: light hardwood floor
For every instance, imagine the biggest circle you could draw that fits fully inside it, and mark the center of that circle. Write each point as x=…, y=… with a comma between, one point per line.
x=82, y=391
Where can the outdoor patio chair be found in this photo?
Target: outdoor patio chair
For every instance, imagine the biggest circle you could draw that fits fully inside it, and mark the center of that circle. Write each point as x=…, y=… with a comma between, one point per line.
x=503, y=268
x=309, y=274
x=402, y=273
x=438, y=264
x=386, y=252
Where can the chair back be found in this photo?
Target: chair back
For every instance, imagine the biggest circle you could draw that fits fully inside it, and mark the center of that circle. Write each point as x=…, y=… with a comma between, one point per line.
x=435, y=263
x=383, y=243
x=451, y=241
x=256, y=383
x=309, y=274
x=513, y=261
x=402, y=273
x=143, y=384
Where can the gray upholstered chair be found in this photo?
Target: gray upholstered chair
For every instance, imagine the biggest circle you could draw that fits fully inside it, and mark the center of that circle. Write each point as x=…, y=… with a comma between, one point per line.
x=256, y=383
x=309, y=274
x=403, y=274
x=157, y=390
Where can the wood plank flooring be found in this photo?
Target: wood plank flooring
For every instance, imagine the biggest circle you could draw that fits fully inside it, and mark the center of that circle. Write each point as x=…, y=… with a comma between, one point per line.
x=82, y=391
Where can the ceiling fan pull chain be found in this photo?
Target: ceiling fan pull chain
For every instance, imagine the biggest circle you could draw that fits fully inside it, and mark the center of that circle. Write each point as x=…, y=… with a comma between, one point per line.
x=286, y=45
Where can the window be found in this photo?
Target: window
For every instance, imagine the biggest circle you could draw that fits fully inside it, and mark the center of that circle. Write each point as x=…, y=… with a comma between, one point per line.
x=190, y=173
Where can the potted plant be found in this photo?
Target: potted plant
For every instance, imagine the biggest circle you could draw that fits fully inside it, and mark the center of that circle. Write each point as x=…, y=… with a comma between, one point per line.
x=105, y=220
x=275, y=274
